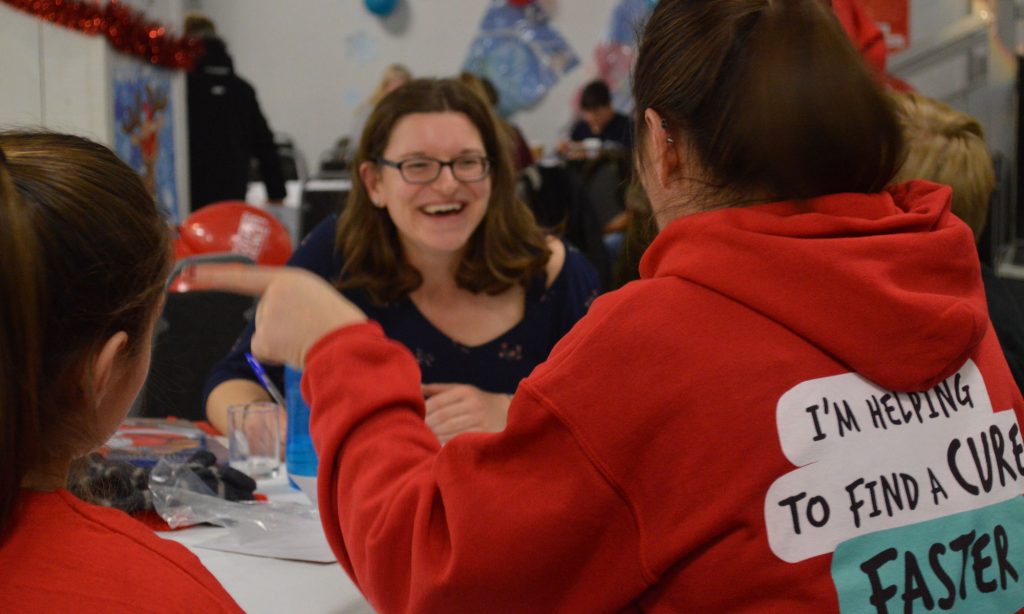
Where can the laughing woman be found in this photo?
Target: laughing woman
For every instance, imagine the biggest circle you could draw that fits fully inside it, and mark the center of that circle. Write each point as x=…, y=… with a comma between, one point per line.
x=434, y=246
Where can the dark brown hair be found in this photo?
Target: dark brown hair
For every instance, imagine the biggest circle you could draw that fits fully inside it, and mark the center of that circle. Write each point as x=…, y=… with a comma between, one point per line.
x=84, y=255
x=595, y=95
x=769, y=94
x=506, y=249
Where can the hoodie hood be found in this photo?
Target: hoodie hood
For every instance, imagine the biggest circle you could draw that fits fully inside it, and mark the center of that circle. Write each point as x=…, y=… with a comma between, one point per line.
x=888, y=284
x=215, y=59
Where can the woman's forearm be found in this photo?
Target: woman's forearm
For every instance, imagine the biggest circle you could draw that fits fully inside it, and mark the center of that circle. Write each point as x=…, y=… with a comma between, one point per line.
x=228, y=393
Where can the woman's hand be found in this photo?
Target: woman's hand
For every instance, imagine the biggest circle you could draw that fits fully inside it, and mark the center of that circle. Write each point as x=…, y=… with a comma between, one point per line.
x=296, y=310
x=461, y=408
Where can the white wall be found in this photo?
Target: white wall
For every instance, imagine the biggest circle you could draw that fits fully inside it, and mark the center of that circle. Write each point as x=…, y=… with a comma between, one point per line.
x=313, y=61
x=956, y=56
x=21, y=96
x=930, y=16
x=53, y=77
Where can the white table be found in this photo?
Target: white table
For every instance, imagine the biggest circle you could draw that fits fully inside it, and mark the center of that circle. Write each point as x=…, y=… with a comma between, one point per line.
x=262, y=584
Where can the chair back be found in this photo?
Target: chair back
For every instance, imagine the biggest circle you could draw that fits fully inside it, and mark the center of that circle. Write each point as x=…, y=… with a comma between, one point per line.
x=196, y=329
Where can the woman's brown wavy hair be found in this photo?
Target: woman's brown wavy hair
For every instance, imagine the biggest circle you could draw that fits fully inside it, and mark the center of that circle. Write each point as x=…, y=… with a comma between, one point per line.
x=506, y=249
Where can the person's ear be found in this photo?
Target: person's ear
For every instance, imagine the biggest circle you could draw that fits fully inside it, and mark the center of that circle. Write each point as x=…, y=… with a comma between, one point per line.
x=370, y=175
x=666, y=158
x=103, y=363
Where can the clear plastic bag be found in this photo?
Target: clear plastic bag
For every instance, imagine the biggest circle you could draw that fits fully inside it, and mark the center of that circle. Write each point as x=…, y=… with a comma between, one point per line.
x=183, y=499
x=276, y=529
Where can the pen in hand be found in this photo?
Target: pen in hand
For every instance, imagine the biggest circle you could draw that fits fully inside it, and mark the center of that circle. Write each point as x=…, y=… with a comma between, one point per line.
x=257, y=368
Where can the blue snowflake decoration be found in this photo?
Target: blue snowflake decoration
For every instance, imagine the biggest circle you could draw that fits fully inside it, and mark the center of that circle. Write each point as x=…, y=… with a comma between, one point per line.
x=520, y=53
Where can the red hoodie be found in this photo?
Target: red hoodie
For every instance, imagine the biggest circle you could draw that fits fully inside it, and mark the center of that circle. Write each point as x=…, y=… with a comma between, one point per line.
x=705, y=439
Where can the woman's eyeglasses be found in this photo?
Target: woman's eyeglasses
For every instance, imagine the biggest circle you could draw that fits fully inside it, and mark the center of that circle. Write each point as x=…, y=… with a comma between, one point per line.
x=468, y=169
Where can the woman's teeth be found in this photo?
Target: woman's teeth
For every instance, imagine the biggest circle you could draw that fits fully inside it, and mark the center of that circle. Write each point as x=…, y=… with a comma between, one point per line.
x=442, y=209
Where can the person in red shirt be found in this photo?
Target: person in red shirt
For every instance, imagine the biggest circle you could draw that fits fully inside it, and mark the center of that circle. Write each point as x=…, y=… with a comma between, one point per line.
x=863, y=32
x=868, y=39
x=800, y=406
x=84, y=256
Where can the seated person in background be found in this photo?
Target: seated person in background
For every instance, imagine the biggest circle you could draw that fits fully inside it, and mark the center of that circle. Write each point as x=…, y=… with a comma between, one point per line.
x=599, y=120
x=86, y=253
x=603, y=182
x=521, y=154
x=640, y=231
x=435, y=247
x=948, y=146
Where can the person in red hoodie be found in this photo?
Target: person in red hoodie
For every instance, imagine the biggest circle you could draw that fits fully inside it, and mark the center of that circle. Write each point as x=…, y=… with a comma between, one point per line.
x=801, y=406
x=868, y=39
x=862, y=31
x=84, y=255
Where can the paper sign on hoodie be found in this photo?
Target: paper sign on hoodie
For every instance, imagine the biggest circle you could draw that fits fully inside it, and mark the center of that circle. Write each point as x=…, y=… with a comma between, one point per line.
x=916, y=494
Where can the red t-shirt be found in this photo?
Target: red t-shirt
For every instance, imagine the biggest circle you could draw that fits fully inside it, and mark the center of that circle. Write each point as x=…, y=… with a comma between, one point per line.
x=65, y=555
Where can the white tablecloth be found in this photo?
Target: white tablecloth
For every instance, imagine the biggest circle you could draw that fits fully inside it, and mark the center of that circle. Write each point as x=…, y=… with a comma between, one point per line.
x=261, y=584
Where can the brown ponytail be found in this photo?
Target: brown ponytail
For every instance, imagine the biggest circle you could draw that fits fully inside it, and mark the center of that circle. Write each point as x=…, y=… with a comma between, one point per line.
x=83, y=254
x=20, y=343
x=771, y=96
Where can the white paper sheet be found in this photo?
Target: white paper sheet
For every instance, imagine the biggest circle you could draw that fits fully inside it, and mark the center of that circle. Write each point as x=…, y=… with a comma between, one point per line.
x=304, y=541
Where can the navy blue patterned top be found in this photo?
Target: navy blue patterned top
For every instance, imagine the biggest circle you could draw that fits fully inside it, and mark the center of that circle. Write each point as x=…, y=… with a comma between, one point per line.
x=495, y=366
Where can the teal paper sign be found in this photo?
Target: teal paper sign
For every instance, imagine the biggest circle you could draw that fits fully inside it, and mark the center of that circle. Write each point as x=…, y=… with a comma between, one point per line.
x=970, y=562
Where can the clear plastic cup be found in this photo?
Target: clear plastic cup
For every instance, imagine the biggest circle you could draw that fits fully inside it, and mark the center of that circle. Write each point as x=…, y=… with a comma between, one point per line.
x=254, y=438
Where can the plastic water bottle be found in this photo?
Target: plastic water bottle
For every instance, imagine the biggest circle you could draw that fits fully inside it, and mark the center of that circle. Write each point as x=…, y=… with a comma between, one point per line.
x=299, y=455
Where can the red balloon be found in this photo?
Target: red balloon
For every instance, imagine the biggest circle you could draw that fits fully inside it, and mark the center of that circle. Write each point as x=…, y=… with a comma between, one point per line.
x=232, y=227
x=520, y=3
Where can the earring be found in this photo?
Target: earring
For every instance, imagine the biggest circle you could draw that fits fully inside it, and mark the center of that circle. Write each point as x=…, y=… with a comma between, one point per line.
x=664, y=126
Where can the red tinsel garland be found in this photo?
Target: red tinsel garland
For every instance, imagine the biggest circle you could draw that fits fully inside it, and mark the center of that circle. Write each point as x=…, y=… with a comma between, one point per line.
x=126, y=29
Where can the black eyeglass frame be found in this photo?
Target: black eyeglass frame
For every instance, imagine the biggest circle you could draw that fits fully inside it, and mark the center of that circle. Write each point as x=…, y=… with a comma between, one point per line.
x=440, y=166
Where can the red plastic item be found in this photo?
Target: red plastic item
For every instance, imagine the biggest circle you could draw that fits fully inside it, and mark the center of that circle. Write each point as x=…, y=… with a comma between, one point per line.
x=232, y=227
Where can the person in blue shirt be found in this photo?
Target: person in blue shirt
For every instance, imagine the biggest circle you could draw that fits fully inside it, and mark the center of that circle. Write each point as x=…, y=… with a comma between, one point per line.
x=434, y=246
